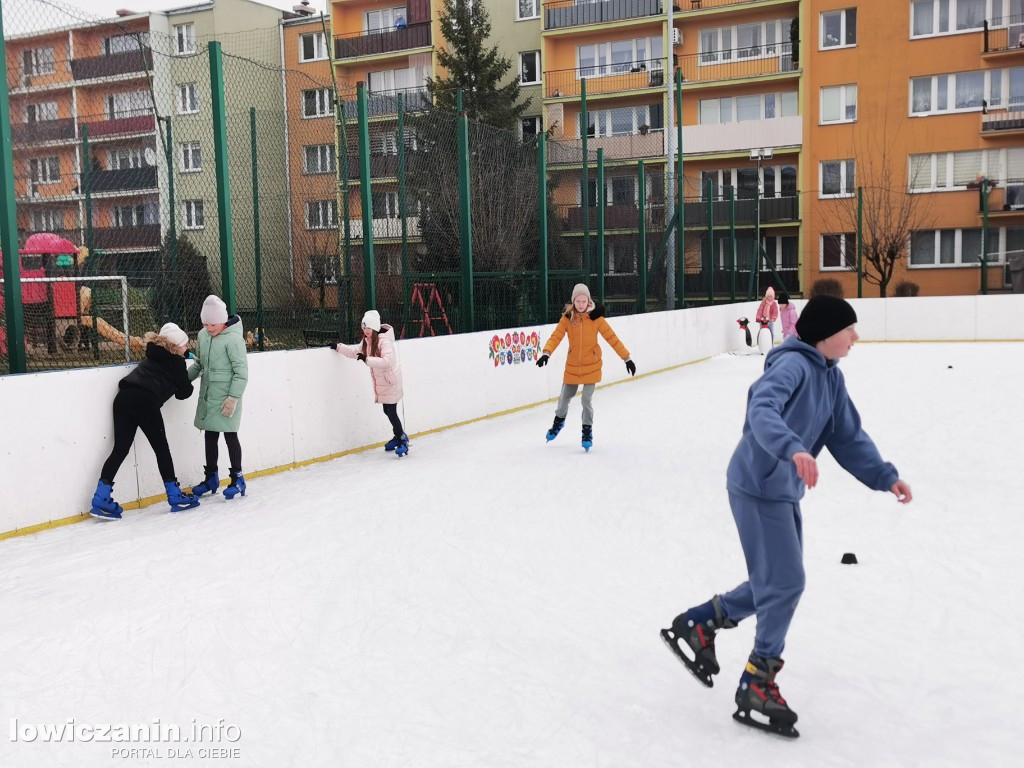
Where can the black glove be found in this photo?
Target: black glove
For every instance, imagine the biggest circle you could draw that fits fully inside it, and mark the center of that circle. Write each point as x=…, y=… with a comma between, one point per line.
x=542, y=361
x=361, y=356
x=333, y=345
x=631, y=367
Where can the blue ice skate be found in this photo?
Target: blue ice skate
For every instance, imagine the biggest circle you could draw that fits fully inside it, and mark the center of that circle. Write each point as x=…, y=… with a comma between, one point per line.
x=237, y=485
x=103, y=505
x=588, y=437
x=556, y=427
x=403, y=446
x=210, y=485
x=393, y=443
x=179, y=499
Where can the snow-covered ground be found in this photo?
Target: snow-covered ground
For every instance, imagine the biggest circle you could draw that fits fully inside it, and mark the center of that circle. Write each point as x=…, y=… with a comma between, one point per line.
x=494, y=601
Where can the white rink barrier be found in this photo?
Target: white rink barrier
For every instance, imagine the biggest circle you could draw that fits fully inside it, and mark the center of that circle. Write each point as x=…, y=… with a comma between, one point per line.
x=305, y=405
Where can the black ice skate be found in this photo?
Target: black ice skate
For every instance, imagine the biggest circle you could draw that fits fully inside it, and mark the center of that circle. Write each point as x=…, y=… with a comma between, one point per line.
x=696, y=628
x=758, y=693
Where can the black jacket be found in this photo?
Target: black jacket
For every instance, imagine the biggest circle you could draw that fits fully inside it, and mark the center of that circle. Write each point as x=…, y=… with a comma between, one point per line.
x=162, y=374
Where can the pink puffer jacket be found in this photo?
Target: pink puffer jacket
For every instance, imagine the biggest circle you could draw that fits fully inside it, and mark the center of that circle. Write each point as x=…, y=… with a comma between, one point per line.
x=387, y=376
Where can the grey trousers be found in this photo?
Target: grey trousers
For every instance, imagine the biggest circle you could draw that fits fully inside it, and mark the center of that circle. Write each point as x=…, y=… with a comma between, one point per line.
x=568, y=392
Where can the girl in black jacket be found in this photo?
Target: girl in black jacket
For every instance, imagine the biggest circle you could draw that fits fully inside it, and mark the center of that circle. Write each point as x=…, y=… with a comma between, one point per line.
x=137, y=405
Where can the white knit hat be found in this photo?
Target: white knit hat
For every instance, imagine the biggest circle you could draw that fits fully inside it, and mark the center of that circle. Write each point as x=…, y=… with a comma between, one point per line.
x=371, y=320
x=214, y=311
x=581, y=290
x=174, y=334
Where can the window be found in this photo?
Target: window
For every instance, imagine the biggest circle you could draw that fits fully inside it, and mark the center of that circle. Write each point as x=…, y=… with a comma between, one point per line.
x=622, y=257
x=142, y=215
x=40, y=113
x=528, y=9
x=620, y=57
x=755, y=107
x=125, y=43
x=836, y=178
x=942, y=17
x=192, y=214
x=184, y=39
x=744, y=41
x=777, y=181
x=191, y=157
x=966, y=91
x=312, y=47
x=47, y=220
x=318, y=158
x=839, y=104
x=959, y=247
x=317, y=103
x=129, y=104
x=529, y=67
x=44, y=170
x=322, y=214
x=188, y=99
x=384, y=20
x=39, y=61
x=322, y=268
x=839, y=29
x=125, y=159
x=623, y=121
x=955, y=170
x=839, y=251
x=531, y=127
x=384, y=205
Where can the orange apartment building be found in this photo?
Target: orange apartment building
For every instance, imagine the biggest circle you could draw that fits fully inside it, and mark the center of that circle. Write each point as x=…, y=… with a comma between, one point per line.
x=61, y=83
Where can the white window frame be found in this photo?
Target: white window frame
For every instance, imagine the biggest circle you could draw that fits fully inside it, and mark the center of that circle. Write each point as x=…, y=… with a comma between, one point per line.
x=330, y=268
x=844, y=179
x=626, y=257
x=47, y=107
x=994, y=164
x=124, y=104
x=125, y=159
x=188, y=98
x=326, y=211
x=638, y=61
x=319, y=47
x=324, y=156
x=534, y=15
x=847, y=251
x=992, y=9
x=190, y=156
x=996, y=255
x=522, y=121
x=134, y=215
x=46, y=219
x=523, y=56
x=185, y=39
x=733, y=109
x=640, y=114
x=949, y=81
x=729, y=177
x=44, y=170
x=324, y=103
x=391, y=204
x=193, y=215
x=41, y=61
x=383, y=15
x=133, y=42
x=843, y=29
x=845, y=98
x=774, y=35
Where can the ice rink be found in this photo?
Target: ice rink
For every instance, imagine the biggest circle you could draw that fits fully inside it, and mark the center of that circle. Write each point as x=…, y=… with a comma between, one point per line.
x=493, y=601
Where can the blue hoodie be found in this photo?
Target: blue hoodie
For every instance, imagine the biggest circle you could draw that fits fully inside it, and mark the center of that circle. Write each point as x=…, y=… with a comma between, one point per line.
x=800, y=403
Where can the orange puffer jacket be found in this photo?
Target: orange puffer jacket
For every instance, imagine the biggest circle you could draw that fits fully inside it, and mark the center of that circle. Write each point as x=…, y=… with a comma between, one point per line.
x=583, y=365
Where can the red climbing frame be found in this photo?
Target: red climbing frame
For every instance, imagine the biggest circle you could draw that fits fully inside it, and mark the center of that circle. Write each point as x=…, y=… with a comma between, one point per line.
x=424, y=297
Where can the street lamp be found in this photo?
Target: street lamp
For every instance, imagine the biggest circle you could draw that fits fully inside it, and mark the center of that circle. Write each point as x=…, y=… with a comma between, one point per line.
x=757, y=155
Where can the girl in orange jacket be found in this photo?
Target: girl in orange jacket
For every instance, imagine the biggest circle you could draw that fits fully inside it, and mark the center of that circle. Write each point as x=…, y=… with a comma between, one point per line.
x=582, y=321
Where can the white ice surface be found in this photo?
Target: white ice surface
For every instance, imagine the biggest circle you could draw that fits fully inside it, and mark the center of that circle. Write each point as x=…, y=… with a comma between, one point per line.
x=495, y=601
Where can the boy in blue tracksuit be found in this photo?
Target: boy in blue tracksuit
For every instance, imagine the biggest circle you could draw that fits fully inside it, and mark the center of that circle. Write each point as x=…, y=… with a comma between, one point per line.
x=798, y=406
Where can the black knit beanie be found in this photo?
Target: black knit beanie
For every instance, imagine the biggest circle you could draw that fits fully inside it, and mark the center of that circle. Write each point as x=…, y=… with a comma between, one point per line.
x=822, y=317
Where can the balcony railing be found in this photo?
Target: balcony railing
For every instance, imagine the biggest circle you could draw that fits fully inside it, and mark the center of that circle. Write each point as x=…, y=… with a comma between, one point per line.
x=573, y=13
x=628, y=147
x=381, y=166
x=1002, y=121
x=386, y=102
x=616, y=216
x=144, y=123
x=123, y=180
x=382, y=41
x=700, y=5
x=1003, y=34
x=112, y=64
x=758, y=60
x=71, y=235
x=773, y=210
x=605, y=78
x=47, y=130
x=386, y=228
x=145, y=236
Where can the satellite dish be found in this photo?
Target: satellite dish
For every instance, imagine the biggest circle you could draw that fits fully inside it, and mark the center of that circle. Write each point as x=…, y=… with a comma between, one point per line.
x=150, y=156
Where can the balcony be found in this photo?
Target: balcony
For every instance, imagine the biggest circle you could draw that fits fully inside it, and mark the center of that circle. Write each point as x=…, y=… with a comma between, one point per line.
x=605, y=79
x=112, y=65
x=1003, y=35
x=381, y=167
x=145, y=123
x=572, y=13
x=123, y=181
x=700, y=5
x=110, y=238
x=773, y=210
x=737, y=63
x=71, y=235
x=616, y=216
x=635, y=146
x=47, y=130
x=384, y=229
x=377, y=42
x=744, y=135
x=385, y=103
x=1002, y=123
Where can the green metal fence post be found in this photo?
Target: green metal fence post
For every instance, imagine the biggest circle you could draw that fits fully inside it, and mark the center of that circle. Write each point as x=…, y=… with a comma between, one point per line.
x=641, y=176
x=90, y=238
x=402, y=209
x=257, y=252
x=542, y=213
x=344, y=281
x=732, y=244
x=680, y=203
x=986, y=188
x=220, y=162
x=585, y=175
x=172, y=225
x=465, y=228
x=600, y=225
x=709, y=192
x=365, y=193
x=14, y=312
x=860, y=242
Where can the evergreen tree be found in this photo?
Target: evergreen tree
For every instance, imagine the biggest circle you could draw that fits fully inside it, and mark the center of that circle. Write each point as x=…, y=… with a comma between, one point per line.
x=179, y=293
x=475, y=68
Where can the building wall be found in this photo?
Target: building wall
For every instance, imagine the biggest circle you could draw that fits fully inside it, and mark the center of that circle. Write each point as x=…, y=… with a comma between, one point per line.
x=513, y=36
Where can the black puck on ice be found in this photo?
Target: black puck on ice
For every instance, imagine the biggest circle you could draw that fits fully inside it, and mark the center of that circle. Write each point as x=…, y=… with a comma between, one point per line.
x=949, y=366
x=849, y=558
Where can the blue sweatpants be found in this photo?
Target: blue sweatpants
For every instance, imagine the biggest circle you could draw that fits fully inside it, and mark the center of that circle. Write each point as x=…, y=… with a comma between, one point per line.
x=772, y=539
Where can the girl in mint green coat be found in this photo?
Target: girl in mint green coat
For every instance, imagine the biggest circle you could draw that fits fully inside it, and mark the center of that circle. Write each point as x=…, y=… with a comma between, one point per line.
x=223, y=372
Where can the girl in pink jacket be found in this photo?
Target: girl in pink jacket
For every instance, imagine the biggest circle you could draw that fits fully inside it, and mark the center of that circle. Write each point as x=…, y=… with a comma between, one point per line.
x=768, y=310
x=377, y=350
x=787, y=313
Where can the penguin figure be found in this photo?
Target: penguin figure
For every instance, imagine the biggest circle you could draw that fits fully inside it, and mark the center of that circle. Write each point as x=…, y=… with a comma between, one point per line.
x=745, y=325
x=764, y=338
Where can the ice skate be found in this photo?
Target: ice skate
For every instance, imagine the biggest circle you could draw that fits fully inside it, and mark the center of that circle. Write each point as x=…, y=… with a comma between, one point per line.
x=758, y=693
x=696, y=629
x=556, y=427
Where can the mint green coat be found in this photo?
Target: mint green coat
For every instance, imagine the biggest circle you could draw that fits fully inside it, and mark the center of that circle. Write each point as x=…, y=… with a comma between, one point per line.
x=221, y=367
